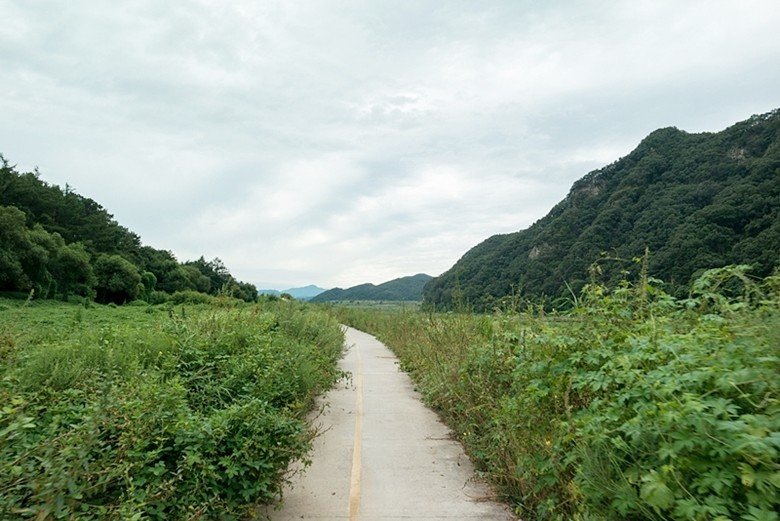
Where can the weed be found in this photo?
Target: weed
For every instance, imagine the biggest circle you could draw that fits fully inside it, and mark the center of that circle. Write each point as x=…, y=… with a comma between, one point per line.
x=633, y=406
x=120, y=413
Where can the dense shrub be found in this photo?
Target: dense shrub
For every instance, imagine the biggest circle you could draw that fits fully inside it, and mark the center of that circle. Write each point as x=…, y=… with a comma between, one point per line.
x=158, y=297
x=118, y=280
x=122, y=414
x=635, y=406
x=190, y=297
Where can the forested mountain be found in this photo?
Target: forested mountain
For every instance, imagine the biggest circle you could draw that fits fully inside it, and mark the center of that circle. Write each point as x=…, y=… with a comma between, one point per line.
x=695, y=201
x=404, y=288
x=57, y=242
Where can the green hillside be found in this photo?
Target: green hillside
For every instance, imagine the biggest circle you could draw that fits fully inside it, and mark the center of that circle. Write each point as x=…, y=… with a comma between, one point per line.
x=57, y=242
x=401, y=289
x=696, y=201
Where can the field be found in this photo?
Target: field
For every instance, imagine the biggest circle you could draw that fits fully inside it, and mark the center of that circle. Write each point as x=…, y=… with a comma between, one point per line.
x=155, y=412
x=632, y=405
x=635, y=405
x=375, y=304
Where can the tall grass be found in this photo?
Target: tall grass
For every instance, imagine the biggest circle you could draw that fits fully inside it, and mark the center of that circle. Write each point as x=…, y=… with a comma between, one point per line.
x=634, y=406
x=156, y=412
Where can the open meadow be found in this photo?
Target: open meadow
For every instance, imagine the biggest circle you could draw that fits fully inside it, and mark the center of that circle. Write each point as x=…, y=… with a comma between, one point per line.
x=155, y=412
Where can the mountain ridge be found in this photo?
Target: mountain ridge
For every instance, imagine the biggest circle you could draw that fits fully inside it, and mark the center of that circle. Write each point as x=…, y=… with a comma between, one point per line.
x=302, y=293
x=695, y=200
x=408, y=288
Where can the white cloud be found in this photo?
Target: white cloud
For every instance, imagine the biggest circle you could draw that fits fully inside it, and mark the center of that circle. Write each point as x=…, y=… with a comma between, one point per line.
x=342, y=143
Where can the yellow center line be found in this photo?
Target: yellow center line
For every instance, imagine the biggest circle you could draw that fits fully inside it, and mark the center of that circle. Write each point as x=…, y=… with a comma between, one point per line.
x=354, y=486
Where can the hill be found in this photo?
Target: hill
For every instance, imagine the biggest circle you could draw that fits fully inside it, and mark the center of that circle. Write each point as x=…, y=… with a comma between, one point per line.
x=304, y=293
x=57, y=242
x=401, y=289
x=695, y=201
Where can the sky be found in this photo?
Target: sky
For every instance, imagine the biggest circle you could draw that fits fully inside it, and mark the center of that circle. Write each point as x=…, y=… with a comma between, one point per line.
x=342, y=142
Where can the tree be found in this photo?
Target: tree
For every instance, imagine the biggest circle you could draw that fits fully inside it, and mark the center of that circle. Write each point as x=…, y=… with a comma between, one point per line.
x=149, y=281
x=13, y=242
x=71, y=269
x=215, y=270
x=176, y=279
x=117, y=279
x=245, y=291
x=26, y=254
x=197, y=280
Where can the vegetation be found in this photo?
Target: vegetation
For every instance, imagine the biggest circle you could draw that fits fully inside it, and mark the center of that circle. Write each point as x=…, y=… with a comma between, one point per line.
x=59, y=243
x=635, y=405
x=155, y=412
x=695, y=200
x=644, y=400
x=401, y=289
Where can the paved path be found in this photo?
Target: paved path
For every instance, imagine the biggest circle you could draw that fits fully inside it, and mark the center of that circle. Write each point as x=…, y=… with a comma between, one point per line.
x=383, y=454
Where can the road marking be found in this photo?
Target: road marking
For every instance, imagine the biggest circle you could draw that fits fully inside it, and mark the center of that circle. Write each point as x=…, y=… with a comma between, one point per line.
x=354, y=485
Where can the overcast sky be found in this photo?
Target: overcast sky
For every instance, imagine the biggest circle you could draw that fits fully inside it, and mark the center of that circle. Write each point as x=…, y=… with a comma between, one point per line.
x=344, y=142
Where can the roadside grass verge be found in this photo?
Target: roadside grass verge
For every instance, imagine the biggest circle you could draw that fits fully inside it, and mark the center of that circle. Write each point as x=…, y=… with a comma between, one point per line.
x=635, y=405
x=155, y=412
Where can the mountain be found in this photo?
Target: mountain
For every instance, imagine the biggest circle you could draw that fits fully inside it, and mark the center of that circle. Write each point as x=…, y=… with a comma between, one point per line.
x=696, y=201
x=304, y=293
x=404, y=288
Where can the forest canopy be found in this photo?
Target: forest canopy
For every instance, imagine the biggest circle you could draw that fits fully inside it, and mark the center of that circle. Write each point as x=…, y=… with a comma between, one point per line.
x=694, y=201
x=57, y=243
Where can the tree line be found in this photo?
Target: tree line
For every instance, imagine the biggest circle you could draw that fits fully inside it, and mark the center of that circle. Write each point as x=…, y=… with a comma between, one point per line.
x=57, y=243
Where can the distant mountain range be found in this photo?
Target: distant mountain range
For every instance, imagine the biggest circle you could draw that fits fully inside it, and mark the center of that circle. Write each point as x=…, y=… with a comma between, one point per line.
x=401, y=289
x=696, y=201
x=304, y=293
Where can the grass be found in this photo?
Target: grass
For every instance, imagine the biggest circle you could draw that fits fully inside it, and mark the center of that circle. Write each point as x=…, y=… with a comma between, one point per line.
x=635, y=405
x=155, y=412
x=375, y=304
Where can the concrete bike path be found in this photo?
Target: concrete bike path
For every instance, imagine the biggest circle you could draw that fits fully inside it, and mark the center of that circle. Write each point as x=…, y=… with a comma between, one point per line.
x=382, y=454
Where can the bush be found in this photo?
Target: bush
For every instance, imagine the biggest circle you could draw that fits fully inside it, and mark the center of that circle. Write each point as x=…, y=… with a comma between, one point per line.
x=158, y=297
x=190, y=297
x=635, y=406
x=118, y=280
x=128, y=415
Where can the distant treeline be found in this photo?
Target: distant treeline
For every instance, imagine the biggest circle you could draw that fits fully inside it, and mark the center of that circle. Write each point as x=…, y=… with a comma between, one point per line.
x=58, y=243
x=696, y=201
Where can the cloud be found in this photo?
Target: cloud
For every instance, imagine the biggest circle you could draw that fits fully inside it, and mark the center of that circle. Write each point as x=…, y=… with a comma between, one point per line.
x=339, y=143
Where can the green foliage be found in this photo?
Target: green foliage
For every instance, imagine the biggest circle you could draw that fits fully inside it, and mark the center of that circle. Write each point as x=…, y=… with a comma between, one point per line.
x=50, y=236
x=149, y=281
x=117, y=280
x=32, y=258
x=636, y=405
x=123, y=414
x=65, y=212
x=695, y=200
x=72, y=271
x=190, y=297
x=15, y=245
x=159, y=297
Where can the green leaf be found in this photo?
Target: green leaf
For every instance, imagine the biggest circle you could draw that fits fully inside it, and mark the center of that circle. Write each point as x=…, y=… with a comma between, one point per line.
x=656, y=493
